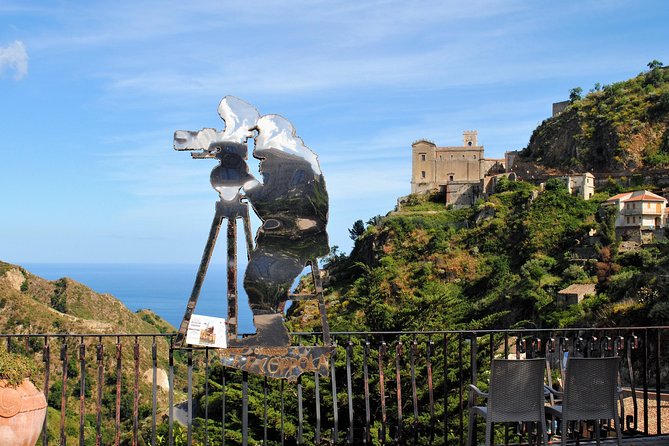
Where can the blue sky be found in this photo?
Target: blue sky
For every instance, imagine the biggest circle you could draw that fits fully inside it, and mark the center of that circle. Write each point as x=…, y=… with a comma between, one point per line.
x=91, y=93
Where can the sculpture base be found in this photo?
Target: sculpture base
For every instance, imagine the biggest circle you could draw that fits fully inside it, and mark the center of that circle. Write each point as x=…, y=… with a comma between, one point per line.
x=278, y=362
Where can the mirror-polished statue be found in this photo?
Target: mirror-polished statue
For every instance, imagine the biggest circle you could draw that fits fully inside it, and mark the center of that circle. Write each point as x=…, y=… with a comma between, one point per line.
x=291, y=201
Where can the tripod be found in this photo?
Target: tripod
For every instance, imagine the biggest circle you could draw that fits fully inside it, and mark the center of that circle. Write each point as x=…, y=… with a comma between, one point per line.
x=297, y=233
x=233, y=211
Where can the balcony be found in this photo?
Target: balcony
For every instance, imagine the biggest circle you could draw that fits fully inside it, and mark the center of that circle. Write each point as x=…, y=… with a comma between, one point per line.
x=383, y=388
x=642, y=211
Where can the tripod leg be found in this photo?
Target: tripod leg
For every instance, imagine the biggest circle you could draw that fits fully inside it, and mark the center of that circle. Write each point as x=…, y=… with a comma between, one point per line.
x=232, y=278
x=247, y=233
x=201, y=273
x=318, y=287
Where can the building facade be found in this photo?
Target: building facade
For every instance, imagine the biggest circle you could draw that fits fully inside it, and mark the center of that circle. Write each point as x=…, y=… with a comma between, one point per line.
x=455, y=171
x=582, y=185
x=639, y=209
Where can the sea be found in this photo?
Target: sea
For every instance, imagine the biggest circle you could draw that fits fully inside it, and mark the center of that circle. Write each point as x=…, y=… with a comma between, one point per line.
x=164, y=289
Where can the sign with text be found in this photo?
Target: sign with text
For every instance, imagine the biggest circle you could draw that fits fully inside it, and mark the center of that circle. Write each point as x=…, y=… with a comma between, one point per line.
x=207, y=331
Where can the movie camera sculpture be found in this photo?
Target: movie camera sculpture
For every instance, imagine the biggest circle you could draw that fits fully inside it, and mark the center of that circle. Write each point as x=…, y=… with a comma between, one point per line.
x=292, y=204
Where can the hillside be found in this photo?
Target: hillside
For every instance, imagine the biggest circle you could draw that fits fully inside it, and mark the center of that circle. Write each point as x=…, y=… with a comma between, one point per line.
x=32, y=305
x=499, y=264
x=623, y=126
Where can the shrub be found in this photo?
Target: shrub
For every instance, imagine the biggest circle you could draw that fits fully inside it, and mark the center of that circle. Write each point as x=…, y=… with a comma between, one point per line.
x=15, y=367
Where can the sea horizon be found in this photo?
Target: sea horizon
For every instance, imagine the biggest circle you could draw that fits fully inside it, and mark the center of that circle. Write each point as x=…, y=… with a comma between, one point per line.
x=163, y=288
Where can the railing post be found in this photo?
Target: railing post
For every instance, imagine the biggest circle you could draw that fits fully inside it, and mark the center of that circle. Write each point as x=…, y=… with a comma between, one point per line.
x=189, y=417
x=398, y=382
x=46, y=357
x=382, y=391
x=430, y=388
x=82, y=389
x=135, y=396
x=99, y=355
x=414, y=389
x=154, y=388
x=365, y=372
x=119, y=359
x=245, y=408
x=170, y=410
x=63, y=397
x=349, y=389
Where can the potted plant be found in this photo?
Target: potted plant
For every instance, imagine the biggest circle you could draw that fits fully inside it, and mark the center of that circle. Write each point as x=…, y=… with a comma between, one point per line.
x=22, y=406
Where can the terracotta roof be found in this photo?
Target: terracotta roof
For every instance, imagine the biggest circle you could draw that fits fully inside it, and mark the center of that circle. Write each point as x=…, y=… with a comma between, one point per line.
x=619, y=196
x=579, y=288
x=647, y=196
x=637, y=195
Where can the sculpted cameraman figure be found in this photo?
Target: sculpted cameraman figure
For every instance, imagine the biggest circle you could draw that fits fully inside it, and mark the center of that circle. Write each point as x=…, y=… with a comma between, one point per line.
x=292, y=203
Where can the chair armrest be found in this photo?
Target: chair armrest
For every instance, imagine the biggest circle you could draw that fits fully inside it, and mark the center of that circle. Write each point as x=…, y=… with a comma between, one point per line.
x=477, y=391
x=549, y=390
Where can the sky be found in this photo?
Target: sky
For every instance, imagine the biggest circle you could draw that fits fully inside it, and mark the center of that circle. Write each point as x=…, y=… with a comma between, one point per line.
x=92, y=92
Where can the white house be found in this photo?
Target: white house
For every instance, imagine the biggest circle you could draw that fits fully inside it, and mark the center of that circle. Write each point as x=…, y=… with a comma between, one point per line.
x=582, y=185
x=639, y=209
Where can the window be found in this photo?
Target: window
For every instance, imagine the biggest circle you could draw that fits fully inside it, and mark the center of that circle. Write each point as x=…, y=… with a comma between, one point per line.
x=422, y=157
x=469, y=143
x=450, y=177
x=474, y=156
x=451, y=156
x=422, y=174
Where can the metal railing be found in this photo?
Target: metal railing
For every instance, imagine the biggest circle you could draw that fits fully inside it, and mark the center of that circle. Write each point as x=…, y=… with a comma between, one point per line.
x=383, y=388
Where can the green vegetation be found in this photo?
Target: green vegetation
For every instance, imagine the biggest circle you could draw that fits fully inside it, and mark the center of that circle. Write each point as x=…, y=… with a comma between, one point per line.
x=621, y=126
x=498, y=264
x=14, y=367
x=32, y=305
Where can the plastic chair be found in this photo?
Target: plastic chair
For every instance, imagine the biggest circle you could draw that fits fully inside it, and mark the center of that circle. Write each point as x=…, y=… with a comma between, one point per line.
x=516, y=393
x=590, y=393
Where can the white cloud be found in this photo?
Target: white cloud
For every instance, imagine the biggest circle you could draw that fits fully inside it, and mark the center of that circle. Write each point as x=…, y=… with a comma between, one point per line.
x=14, y=57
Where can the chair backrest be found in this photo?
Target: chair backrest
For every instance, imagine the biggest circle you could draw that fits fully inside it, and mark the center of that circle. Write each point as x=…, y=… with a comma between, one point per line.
x=516, y=390
x=590, y=389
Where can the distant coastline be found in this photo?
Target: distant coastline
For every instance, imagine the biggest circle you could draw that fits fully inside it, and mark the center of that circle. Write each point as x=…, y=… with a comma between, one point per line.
x=161, y=288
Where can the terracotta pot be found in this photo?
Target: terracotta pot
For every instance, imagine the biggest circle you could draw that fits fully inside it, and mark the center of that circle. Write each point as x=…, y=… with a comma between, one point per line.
x=22, y=412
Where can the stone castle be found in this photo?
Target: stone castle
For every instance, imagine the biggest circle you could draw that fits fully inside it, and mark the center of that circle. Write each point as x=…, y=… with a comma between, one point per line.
x=459, y=172
x=463, y=174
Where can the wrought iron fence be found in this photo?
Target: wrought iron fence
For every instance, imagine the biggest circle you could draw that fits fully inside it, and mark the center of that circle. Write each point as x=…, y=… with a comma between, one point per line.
x=383, y=388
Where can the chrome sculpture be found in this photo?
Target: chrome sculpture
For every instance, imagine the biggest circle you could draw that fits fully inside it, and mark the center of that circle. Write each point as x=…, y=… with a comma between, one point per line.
x=292, y=204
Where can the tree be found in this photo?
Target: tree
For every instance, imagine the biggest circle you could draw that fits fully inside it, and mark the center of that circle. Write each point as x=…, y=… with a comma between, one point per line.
x=556, y=184
x=653, y=64
x=575, y=94
x=357, y=230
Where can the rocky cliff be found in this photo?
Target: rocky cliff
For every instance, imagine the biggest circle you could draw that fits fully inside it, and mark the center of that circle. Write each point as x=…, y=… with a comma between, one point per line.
x=619, y=127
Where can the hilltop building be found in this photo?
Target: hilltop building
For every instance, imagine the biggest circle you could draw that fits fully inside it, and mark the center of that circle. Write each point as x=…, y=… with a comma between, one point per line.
x=456, y=171
x=581, y=184
x=558, y=107
x=574, y=294
x=640, y=209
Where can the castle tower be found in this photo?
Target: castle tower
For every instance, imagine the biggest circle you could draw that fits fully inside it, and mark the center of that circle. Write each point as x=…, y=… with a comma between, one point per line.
x=469, y=138
x=423, y=166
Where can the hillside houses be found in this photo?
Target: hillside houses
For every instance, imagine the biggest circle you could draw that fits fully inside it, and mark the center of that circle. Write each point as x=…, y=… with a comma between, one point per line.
x=639, y=209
